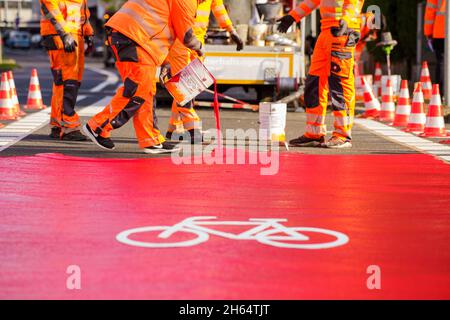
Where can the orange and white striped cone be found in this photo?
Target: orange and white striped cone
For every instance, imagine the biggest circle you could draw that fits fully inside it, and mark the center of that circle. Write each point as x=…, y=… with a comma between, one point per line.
x=435, y=125
x=14, y=97
x=387, y=113
x=417, y=118
x=377, y=80
x=425, y=80
x=34, y=101
x=7, y=111
x=371, y=103
x=403, y=109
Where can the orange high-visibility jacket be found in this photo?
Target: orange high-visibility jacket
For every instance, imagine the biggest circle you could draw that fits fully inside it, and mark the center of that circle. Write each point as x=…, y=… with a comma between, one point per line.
x=67, y=16
x=155, y=25
x=331, y=11
x=435, y=19
x=203, y=13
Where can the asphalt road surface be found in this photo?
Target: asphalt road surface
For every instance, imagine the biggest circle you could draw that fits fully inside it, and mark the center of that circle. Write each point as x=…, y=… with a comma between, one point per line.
x=365, y=141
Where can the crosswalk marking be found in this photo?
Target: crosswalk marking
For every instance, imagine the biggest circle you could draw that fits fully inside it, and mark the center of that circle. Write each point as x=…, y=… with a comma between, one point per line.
x=111, y=78
x=20, y=129
x=95, y=108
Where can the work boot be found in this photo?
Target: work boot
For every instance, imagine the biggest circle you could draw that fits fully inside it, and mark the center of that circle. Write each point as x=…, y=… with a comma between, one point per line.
x=337, y=143
x=55, y=133
x=306, y=142
x=169, y=135
x=165, y=147
x=104, y=143
x=73, y=136
x=196, y=136
x=180, y=136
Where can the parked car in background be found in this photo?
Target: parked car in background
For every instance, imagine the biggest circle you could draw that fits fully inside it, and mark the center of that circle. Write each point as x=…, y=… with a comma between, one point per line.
x=36, y=40
x=18, y=39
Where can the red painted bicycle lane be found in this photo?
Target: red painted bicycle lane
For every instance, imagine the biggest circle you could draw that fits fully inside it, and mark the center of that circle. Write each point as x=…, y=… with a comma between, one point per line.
x=58, y=211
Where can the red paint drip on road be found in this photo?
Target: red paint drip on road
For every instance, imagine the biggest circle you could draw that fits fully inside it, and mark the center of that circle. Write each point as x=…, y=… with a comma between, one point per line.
x=58, y=211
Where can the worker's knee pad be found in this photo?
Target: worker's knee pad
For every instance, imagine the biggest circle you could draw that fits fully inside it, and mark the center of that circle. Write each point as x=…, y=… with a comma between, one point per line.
x=57, y=77
x=129, y=89
x=312, y=91
x=336, y=93
x=70, y=96
x=128, y=112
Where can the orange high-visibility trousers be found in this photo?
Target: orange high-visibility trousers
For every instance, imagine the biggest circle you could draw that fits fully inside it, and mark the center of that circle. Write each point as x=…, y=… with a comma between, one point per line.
x=331, y=73
x=67, y=69
x=182, y=117
x=135, y=98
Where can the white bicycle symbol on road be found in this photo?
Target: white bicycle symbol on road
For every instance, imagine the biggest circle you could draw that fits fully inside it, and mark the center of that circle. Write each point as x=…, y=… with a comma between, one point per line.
x=266, y=231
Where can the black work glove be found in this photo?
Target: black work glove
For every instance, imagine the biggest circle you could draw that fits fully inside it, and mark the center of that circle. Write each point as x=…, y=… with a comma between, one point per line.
x=235, y=37
x=69, y=42
x=89, y=40
x=285, y=23
x=166, y=73
x=200, y=51
x=341, y=30
x=353, y=39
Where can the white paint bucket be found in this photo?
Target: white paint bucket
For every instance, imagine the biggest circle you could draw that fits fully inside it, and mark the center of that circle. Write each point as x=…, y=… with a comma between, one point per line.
x=272, y=121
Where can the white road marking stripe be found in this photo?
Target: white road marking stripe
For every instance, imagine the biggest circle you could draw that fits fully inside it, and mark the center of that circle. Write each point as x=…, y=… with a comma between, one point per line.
x=18, y=130
x=7, y=134
x=111, y=78
x=81, y=97
x=420, y=144
x=95, y=108
x=15, y=130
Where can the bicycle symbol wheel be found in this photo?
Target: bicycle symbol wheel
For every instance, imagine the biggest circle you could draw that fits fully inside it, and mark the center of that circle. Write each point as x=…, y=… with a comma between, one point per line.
x=268, y=238
x=124, y=237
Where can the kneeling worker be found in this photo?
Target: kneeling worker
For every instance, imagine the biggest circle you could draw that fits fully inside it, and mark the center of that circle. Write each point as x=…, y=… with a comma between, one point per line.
x=140, y=35
x=65, y=28
x=179, y=57
x=331, y=70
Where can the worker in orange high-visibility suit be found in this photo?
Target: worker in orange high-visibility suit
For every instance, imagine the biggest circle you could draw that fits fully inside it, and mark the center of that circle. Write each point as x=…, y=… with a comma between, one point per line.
x=141, y=33
x=434, y=30
x=65, y=29
x=179, y=57
x=331, y=72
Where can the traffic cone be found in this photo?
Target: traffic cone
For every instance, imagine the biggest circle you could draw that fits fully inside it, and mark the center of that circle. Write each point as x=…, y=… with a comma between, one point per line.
x=417, y=118
x=425, y=80
x=371, y=104
x=377, y=79
x=15, y=99
x=387, y=113
x=403, y=109
x=7, y=111
x=435, y=124
x=34, y=94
